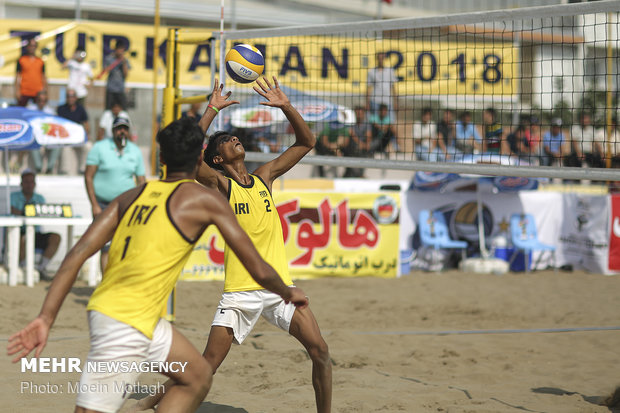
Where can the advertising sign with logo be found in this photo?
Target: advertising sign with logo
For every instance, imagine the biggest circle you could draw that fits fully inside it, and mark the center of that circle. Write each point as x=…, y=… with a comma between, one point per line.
x=325, y=234
x=614, y=236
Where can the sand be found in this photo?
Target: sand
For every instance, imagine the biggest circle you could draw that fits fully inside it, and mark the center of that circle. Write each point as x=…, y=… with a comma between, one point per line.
x=394, y=343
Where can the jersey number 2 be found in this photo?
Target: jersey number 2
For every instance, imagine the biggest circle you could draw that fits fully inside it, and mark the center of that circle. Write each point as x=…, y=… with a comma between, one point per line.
x=268, y=207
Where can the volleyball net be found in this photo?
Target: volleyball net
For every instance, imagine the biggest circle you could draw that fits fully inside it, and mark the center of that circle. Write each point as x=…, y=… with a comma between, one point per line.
x=524, y=92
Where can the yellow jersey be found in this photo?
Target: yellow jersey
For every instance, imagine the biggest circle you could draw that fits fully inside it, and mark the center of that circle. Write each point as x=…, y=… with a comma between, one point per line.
x=146, y=257
x=257, y=215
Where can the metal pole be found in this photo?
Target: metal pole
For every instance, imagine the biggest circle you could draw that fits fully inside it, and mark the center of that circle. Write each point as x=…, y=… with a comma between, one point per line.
x=609, y=97
x=154, y=123
x=78, y=11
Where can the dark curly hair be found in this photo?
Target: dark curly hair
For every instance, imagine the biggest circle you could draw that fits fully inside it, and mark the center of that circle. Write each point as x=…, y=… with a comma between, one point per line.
x=211, y=151
x=180, y=144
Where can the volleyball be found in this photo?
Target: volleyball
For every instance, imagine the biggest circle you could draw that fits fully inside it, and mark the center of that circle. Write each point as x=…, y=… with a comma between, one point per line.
x=244, y=63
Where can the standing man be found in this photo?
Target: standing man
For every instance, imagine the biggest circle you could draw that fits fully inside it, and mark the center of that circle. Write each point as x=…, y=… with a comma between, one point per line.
x=113, y=166
x=381, y=88
x=75, y=112
x=47, y=242
x=149, y=249
x=29, y=75
x=243, y=300
x=80, y=74
x=117, y=66
x=52, y=154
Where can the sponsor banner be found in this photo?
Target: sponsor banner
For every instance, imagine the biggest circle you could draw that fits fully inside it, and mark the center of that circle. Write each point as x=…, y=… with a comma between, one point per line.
x=325, y=234
x=614, y=236
x=583, y=238
x=321, y=63
x=577, y=225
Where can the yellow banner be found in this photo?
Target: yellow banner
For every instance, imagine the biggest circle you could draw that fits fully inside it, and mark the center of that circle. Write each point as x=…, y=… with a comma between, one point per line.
x=325, y=234
x=311, y=63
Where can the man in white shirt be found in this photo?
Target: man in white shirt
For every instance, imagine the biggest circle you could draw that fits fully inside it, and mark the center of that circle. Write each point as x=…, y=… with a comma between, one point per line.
x=585, y=143
x=80, y=75
x=425, y=139
x=381, y=88
x=107, y=119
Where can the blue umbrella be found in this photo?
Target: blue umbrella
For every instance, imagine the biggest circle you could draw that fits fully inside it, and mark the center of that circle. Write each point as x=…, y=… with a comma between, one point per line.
x=25, y=129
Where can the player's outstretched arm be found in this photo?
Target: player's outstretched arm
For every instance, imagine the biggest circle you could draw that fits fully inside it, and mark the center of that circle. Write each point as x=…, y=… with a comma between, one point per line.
x=207, y=176
x=34, y=335
x=304, y=138
x=240, y=243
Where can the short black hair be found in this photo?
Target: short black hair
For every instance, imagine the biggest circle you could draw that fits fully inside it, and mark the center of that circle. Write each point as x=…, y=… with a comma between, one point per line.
x=211, y=151
x=180, y=144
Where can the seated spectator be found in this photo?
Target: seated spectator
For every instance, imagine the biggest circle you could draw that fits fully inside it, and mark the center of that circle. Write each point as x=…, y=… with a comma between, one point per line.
x=331, y=141
x=611, y=145
x=75, y=112
x=194, y=111
x=52, y=154
x=107, y=119
x=468, y=138
x=383, y=130
x=47, y=242
x=532, y=135
x=359, y=144
x=518, y=145
x=553, y=144
x=585, y=144
x=427, y=145
x=492, y=141
x=446, y=131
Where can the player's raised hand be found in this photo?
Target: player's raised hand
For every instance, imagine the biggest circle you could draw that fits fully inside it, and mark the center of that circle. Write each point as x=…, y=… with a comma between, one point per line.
x=34, y=335
x=274, y=95
x=219, y=100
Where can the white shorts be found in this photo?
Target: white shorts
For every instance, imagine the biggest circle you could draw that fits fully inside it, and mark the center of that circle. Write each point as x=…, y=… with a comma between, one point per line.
x=112, y=340
x=240, y=310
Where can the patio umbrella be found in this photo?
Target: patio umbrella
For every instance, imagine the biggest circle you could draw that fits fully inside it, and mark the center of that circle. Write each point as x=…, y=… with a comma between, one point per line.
x=251, y=114
x=25, y=129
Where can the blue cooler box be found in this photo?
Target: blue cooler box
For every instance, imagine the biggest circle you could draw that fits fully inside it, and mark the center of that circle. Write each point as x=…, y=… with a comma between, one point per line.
x=518, y=264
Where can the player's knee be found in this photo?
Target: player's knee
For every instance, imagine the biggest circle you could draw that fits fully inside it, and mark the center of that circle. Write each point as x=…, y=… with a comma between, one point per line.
x=201, y=378
x=319, y=352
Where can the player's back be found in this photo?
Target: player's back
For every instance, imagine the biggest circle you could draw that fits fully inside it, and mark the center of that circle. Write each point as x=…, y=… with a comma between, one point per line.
x=147, y=255
x=257, y=214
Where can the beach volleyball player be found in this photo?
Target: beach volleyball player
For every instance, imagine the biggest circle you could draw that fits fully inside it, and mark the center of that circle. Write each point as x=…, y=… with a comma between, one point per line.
x=153, y=229
x=249, y=195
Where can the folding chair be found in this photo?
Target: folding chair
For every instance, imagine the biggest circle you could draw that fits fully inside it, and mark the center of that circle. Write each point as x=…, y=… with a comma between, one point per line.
x=525, y=238
x=434, y=233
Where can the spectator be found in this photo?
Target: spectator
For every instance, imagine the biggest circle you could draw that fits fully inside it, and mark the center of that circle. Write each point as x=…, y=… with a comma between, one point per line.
x=611, y=146
x=532, y=135
x=47, y=242
x=75, y=112
x=446, y=131
x=427, y=145
x=585, y=144
x=194, y=112
x=332, y=139
x=107, y=119
x=52, y=154
x=381, y=88
x=29, y=75
x=112, y=167
x=359, y=142
x=80, y=75
x=553, y=144
x=517, y=143
x=117, y=66
x=468, y=138
x=383, y=130
x=492, y=142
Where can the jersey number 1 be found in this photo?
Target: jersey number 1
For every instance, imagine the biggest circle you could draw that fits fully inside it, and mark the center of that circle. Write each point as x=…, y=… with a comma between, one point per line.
x=125, y=248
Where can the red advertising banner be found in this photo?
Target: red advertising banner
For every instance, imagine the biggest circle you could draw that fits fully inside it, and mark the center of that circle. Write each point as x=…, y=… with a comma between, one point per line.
x=325, y=234
x=614, y=234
